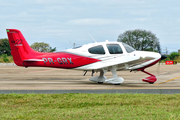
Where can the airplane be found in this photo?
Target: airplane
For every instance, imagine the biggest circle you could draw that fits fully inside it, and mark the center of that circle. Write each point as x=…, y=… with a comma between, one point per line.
x=96, y=57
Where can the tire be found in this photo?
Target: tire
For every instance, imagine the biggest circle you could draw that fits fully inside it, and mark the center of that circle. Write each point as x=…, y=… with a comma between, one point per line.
x=117, y=84
x=100, y=82
x=151, y=83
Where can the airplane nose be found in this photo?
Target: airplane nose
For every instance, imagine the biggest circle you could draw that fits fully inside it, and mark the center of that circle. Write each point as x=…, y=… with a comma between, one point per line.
x=163, y=57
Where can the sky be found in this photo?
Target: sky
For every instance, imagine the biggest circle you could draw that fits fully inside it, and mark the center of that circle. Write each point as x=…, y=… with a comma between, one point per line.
x=60, y=23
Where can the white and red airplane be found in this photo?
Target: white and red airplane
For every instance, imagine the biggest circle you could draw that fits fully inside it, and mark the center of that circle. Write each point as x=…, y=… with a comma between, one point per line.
x=96, y=57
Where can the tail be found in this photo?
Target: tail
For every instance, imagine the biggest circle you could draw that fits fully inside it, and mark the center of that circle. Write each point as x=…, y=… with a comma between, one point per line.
x=20, y=49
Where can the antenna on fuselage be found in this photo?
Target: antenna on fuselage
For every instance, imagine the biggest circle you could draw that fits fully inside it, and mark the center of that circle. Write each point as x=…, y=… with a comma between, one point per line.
x=73, y=44
x=92, y=38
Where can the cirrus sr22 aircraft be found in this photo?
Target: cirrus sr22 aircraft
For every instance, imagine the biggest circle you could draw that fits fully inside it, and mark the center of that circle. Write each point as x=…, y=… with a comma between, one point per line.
x=96, y=57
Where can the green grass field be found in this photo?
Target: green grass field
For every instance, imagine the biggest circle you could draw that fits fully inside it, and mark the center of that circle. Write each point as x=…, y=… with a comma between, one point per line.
x=89, y=106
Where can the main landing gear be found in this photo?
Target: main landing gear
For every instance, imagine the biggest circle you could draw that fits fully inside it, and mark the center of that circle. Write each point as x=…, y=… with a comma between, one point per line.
x=118, y=80
x=151, y=79
x=101, y=78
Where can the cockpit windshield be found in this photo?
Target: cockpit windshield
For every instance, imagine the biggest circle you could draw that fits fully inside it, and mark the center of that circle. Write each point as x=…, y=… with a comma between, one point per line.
x=97, y=50
x=128, y=48
x=114, y=49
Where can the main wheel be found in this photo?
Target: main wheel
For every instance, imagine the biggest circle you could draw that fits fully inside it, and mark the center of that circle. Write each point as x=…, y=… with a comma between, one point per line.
x=117, y=84
x=100, y=82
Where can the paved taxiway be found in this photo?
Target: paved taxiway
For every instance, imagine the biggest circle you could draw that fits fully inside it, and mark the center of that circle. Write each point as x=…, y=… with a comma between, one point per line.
x=14, y=79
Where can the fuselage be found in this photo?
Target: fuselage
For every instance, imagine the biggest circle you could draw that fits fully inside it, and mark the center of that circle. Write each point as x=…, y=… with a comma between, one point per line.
x=97, y=56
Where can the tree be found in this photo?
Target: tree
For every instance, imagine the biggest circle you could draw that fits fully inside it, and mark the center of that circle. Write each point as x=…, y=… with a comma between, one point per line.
x=52, y=49
x=4, y=47
x=42, y=47
x=174, y=55
x=140, y=40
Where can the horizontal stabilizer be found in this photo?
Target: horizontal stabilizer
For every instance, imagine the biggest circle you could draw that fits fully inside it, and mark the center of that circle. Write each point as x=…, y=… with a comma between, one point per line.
x=33, y=60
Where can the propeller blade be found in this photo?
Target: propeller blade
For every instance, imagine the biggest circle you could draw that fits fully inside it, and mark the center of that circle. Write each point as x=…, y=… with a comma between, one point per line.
x=158, y=68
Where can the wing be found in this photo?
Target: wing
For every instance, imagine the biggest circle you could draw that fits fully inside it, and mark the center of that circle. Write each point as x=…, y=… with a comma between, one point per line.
x=122, y=62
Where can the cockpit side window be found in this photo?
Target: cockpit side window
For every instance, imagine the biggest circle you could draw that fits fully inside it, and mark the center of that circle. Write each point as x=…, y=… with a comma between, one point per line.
x=97, y=50
x=114, y=49
x=128, y=48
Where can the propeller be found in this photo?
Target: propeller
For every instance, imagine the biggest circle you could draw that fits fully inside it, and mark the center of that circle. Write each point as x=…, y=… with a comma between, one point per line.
x=162, y=58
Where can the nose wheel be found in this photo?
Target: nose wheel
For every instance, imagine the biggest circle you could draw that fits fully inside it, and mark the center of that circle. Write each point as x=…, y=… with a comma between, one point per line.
x=151, y=79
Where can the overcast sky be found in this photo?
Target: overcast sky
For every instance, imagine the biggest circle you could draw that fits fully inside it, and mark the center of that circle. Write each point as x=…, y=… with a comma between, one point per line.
x=61, y=23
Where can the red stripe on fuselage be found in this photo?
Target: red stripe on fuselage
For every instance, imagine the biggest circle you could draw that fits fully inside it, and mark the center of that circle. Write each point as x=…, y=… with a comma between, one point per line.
x=61, y=60
x=139, y=69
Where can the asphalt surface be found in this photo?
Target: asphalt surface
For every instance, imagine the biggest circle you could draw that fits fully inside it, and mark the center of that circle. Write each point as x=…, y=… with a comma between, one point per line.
x=120, y=91
x=14, y=79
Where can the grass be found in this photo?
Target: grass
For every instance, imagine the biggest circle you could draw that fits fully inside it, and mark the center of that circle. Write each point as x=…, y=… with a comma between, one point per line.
x=89, y=106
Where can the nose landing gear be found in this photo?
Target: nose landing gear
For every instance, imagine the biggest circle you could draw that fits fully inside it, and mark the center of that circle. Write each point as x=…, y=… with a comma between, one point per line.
x=151, y=79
